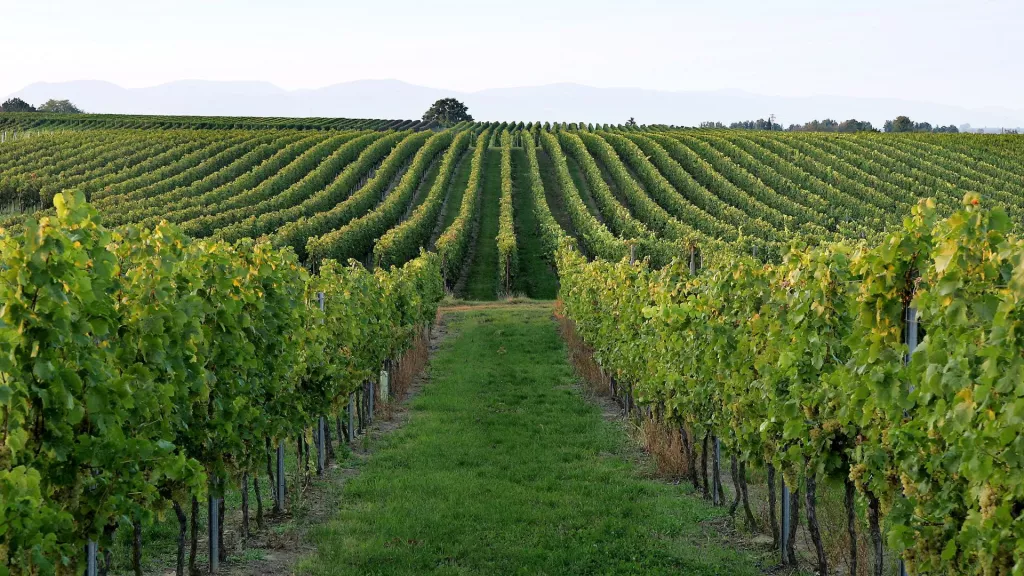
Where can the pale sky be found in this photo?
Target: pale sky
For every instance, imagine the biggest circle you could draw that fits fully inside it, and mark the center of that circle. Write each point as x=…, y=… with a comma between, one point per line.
x=966, y=52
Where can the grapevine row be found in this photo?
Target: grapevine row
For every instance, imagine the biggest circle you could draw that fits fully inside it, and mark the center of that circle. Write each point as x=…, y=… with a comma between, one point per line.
x=142, y=369
x=453, y=244
x=311, y=237
x=508, y=255
x=403, y=241
x=41, y=120
x=804, y=368
x=309, y=173
x=356, y=239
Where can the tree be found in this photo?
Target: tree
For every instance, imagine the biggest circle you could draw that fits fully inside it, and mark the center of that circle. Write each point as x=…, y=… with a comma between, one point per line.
x=631, y=123
x=830, y=125
x=900, y=124
x=447, y=111
x=60, y=107
x=904, y=124
x=854, y=125
x=16, y=105
x=759, y=124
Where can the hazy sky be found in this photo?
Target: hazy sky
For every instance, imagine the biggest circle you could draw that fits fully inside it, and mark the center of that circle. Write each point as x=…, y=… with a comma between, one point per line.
x=967, y=52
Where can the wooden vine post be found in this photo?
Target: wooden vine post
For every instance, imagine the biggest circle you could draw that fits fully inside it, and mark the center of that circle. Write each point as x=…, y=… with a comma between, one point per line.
x=786, y=519
x=371, y=389
x=280, y=476
x=321, y=445
x=213, y=523
x=351, y=417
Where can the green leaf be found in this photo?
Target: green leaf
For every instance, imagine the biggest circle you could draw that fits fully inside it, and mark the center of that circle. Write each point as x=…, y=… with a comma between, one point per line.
x=944, y=256
x=949, y=552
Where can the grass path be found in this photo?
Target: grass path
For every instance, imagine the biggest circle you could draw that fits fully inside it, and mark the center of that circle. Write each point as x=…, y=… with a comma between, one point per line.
x=535, y=278
x=504, y=468
x=482, y=276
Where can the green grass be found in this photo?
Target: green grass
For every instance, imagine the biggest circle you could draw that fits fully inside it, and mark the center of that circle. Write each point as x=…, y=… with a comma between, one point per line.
x=482, y=277
x=504, y=468
x=535, y=277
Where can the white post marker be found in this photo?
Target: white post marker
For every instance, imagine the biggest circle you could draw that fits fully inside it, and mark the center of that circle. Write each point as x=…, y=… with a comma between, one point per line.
x=384, y=387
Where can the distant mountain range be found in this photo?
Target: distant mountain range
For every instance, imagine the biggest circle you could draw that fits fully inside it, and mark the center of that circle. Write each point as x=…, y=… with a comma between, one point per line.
x=553, y=102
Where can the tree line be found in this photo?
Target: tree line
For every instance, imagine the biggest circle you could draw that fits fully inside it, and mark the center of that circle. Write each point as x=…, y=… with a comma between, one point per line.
x=899, y=124
x=51, y=105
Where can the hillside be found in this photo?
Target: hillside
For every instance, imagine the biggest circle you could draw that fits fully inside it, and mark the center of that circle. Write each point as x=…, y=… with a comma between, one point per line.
x=830, y=312
x=334, y=191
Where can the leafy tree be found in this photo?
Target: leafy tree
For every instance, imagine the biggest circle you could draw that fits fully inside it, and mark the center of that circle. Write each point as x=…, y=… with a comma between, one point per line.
x=829, y=125
x=854, y=125
x=905, y=124
x=900, y=124
x=60, y=107
x=16, y=105
x=712, y=125
x=759, y=124
x=447, y=111
x=631, y=122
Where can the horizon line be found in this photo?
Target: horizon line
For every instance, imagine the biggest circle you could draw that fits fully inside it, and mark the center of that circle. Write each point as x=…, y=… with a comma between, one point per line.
x=742, y=91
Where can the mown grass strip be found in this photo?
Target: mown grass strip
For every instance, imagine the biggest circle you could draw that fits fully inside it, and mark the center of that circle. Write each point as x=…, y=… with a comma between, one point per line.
x=536, y=277
x=504, y=468
x=482, y=276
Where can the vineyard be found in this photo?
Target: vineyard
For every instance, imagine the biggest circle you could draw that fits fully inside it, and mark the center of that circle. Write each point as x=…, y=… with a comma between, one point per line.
x=20, y=121
x=828, y=311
